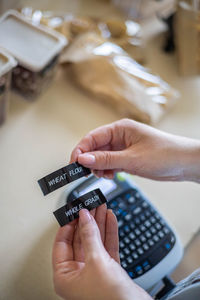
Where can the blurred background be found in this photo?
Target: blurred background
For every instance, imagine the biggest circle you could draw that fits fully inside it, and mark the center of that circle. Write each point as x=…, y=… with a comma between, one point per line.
x=67, y=67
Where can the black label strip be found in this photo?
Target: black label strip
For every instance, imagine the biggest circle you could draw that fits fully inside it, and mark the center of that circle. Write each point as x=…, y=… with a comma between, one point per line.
x=62, y=177
x=70, y=211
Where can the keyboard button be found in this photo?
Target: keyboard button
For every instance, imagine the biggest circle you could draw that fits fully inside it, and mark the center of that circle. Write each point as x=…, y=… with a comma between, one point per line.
x=121, y=234
x=142, y=228
x=137, y=195
x=120, y=223
x=158, y=226
x=147, y=234
x=152, y=211
x=137, y=210
x=161, y=234
x=131, y=200
x=153, y=220
x=122, y=205
x=126, y=240
x=145, y=204
x=147, y=224
x=172, y=239
x=135, y=255
x=131, y=274
x=137, y=243
x=151, y=243
x=155, y=238
x=137, y=231
x=157, y=255
x=142, y=218
x=145, y=247
x=139, y=270
x=124, y=213
x=128, y=217
x=132, y=247
x=124, y=264
x=126, y=251
x=147, y=214
x=162, y=222
x=140, y=251
x=168, y=246
x=142, y=238
x=127, y=196
x=137, y=221
x=121, y=255
x=118, y=212
x=121, y=245
x=166, y=230
x=153, y=230
x=113, y=204
x=157, y=216
x=132, y=236
x=127, y=229
x=132, y=225
x=130, y=260
x=146, y=266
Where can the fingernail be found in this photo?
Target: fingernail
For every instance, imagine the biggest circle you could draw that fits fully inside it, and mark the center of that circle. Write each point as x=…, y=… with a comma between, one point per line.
x=85, y=216
x=86, y=158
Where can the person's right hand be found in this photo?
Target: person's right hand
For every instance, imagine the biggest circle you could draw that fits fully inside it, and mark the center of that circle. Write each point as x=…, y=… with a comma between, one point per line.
x=139, y=149
x=86, y=260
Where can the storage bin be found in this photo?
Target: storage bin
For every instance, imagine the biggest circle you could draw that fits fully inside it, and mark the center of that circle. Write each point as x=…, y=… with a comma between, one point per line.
x=7, y=63
x=145, y=9
x=36, y=49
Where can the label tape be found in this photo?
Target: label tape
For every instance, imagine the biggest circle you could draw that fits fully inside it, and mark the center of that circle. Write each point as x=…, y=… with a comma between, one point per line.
x=62, y=177
x=70, y=211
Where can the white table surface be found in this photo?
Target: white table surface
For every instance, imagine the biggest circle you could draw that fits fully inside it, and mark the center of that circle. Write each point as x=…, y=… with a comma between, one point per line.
x=38, y=138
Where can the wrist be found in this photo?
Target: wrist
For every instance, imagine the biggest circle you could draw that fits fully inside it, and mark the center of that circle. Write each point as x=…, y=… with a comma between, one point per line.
x=191, y=161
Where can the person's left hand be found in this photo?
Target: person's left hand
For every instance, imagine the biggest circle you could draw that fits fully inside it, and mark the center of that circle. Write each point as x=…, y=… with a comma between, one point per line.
x=86, y=260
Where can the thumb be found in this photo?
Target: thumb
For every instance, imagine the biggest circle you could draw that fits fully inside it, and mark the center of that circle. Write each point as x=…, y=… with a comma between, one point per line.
x=103, y=160
x=90, y=236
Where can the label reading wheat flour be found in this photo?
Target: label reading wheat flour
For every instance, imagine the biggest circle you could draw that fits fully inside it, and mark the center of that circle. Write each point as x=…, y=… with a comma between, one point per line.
x=62, y=177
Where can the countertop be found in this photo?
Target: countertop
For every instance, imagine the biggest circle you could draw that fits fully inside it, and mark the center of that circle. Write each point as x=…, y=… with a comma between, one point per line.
x=38, y=138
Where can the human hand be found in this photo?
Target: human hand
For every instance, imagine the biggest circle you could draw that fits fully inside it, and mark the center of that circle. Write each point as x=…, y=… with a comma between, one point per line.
x=86, y=260
x=139, y=149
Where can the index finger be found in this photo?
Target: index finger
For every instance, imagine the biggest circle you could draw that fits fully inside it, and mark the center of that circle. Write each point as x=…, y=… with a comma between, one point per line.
x=97, y=138
x=62, y=248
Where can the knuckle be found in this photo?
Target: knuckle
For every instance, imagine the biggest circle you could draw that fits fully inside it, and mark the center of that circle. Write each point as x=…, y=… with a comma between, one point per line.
x=88, y=231
x=129, y=123
x=90, y=140
x=107, y=157
x=125, y=120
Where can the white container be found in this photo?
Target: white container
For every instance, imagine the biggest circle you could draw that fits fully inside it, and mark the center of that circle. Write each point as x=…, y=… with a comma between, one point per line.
x=36, y=49
x=7, y=63
x=144, y=9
